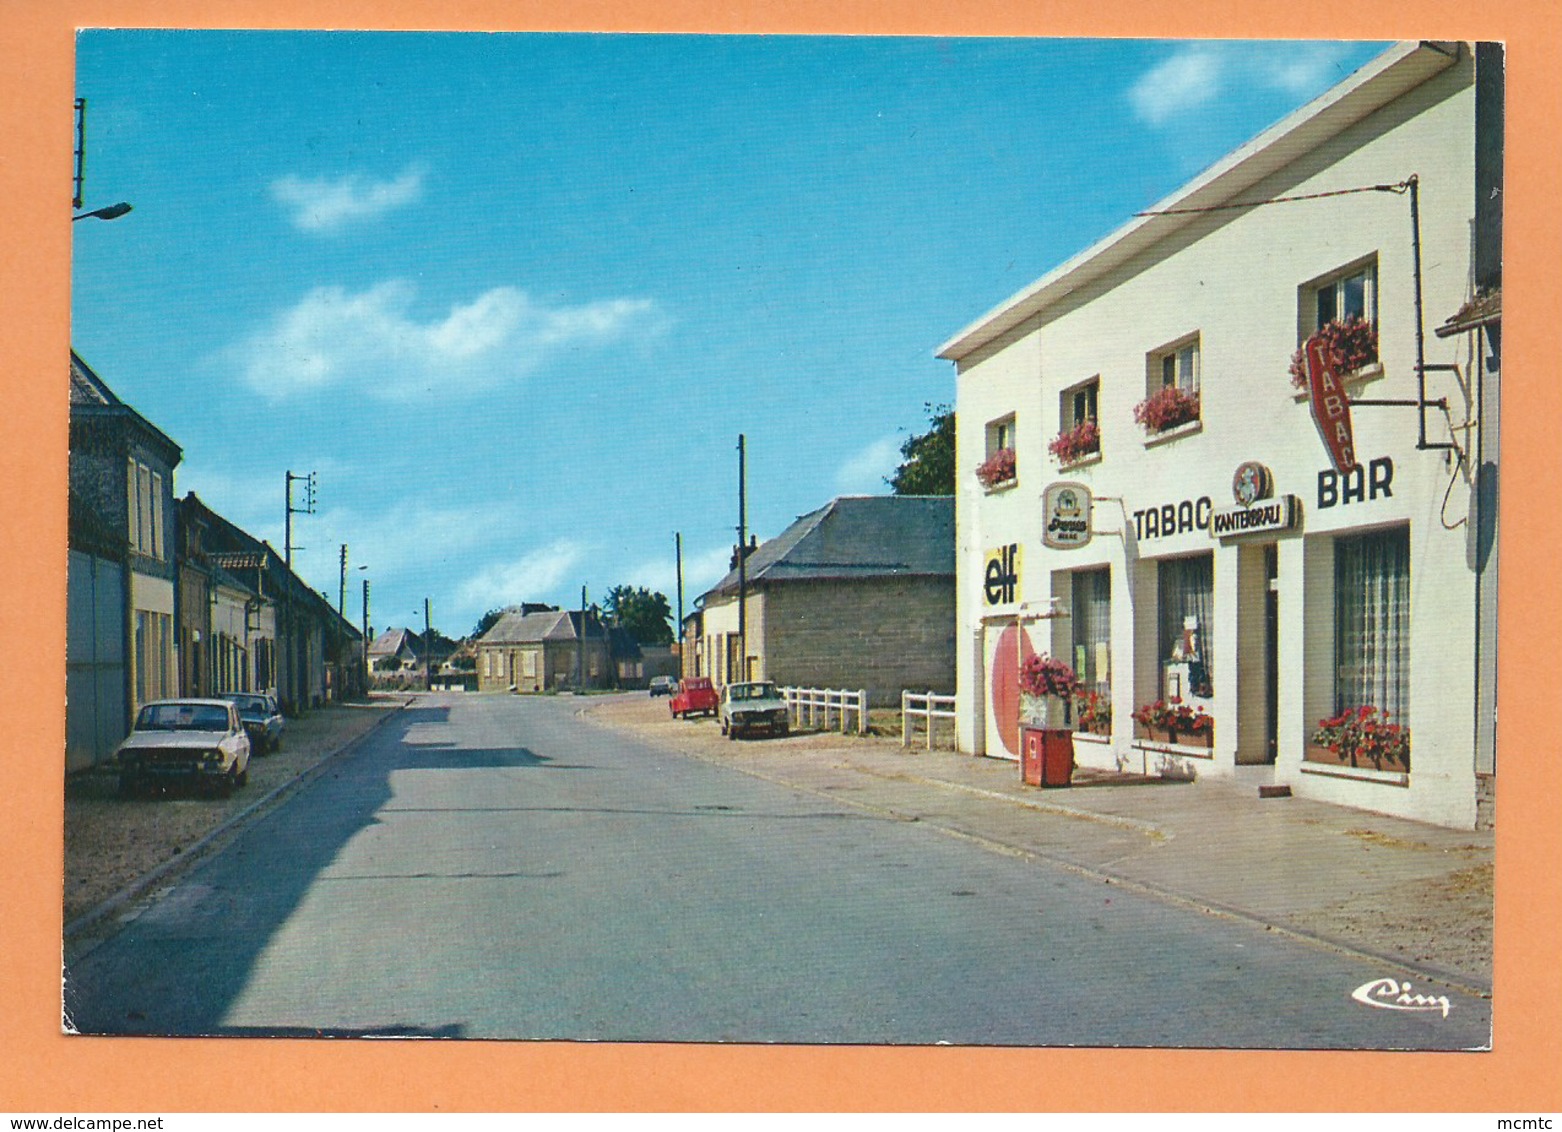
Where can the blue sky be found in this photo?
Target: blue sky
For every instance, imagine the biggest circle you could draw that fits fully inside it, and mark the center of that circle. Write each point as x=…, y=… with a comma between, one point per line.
x=512, y=297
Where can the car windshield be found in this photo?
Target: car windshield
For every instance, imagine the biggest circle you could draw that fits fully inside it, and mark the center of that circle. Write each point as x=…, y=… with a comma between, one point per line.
x=182, y=717
x=753, y=691
x=250, y=705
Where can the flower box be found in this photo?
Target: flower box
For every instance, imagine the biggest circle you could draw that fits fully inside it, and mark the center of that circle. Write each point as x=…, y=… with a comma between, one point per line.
x=1361, y=737
x=1167, y=409
x=1078, y=443
x=1350, y=344
x=998, y=470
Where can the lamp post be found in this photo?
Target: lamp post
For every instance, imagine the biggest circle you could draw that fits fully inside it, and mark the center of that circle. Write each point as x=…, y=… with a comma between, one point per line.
x=107, y=212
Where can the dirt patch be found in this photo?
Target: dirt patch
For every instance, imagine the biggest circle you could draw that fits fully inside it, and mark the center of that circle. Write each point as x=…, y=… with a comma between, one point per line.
x=111, y=841
x=1446, y=921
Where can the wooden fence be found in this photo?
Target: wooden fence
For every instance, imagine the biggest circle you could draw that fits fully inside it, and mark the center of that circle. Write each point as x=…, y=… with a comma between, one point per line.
x=926, y=707
x=827, y=709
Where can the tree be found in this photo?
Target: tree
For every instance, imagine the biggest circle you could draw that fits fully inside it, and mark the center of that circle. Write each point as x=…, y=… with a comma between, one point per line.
x=929, y=465
x=646, y=615
x=486, y=622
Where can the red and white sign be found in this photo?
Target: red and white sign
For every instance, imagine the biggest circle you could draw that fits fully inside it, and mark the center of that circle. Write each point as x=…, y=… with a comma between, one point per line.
x=1330, y=406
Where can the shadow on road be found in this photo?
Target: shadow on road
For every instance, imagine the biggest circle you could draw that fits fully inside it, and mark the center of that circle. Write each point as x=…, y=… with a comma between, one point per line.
x=180, y=961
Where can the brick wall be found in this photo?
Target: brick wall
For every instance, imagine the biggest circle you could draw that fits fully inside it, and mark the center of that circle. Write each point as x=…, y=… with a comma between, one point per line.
x=882, y=634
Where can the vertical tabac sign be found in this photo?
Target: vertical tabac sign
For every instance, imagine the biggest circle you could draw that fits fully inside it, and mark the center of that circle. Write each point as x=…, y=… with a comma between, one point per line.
x=1330, y=406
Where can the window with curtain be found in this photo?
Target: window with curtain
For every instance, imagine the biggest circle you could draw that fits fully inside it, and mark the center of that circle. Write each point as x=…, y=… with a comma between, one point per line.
x=1091, y=623
x=1187, y=589
x=1372, y=621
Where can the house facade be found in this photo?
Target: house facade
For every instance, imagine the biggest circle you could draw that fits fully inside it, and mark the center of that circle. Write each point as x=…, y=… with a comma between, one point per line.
x=122, y=470
x=545, y=651
x=97, y=693
x=858, y=594
x=1144, y=491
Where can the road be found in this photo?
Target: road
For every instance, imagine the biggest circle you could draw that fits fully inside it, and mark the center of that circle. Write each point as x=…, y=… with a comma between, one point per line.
x=500, y=867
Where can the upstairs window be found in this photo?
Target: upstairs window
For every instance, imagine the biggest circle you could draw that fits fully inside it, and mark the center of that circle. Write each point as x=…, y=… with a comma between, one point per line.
x=1172, y=380
x=1348, y=294
x=1079, y=438
x=999, y=469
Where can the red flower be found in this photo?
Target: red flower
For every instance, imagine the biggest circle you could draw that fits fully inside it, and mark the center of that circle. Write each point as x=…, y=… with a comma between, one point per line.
x=1166, y=409
x=1349, y=344
x=1076, y=443
x=997, y=468
x=1040, y=675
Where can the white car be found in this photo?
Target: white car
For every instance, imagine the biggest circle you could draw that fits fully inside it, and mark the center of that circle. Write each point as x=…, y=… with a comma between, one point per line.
x=201, y=742
x=751, y=706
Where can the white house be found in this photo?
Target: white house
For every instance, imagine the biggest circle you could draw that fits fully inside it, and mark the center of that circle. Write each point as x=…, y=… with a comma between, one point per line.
x=1222, y=553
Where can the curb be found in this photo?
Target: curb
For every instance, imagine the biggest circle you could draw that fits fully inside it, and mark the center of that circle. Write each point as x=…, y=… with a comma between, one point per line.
x=139, y=886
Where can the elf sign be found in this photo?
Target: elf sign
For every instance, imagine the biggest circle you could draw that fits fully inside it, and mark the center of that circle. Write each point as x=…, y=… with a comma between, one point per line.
x=1330, y=405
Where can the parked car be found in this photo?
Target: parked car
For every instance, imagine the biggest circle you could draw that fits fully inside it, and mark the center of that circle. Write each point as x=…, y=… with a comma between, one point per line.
x=199, y=742
x=262, y=719
x=695, y=696
x=662, y=685
x=753, y=706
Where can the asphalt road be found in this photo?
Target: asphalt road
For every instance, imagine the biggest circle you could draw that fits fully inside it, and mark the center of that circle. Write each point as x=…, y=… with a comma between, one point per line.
x=498, y=867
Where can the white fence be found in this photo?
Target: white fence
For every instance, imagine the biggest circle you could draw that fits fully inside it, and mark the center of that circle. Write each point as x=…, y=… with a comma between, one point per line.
x=924, y=706
x=828, y=709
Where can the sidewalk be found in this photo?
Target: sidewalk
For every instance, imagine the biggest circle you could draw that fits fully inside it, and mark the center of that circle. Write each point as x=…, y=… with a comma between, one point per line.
x=1415, y=895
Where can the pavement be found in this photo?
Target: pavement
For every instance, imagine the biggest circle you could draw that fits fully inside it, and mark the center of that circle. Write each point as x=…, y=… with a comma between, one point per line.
x=1416, y=896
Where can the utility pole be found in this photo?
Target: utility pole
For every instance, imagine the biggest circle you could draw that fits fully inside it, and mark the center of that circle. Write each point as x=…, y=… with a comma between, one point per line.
x=742, y=565
x=580, y=650
x=428, y=647
x=290, y=647
x=341, y=595
x=365, y=632
x=678, y=553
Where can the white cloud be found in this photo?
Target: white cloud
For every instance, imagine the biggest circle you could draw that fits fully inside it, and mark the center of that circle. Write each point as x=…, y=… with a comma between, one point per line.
x=1198, y=73
x=865, y=471
x=326, y=206
x=701, y=571
x=532, y=577
x=374, y=340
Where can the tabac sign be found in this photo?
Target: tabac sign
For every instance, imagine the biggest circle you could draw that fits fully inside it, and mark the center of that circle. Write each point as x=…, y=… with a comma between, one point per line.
x=1330, y=405
x=1001, y=576
x=1065, y=510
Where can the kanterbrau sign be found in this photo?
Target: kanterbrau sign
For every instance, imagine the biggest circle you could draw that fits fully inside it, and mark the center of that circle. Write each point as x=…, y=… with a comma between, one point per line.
x=1065, y=509
x=1330, y=405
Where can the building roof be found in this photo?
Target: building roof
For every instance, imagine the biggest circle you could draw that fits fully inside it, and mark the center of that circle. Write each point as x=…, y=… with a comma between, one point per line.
x=1375, y=85
x=857, y=536
x=516, y=628
x=91, y=397
x=1483, y=310
x=392, y=641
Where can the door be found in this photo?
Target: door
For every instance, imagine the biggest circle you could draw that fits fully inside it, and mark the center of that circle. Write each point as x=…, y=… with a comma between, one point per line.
x=1005, y=647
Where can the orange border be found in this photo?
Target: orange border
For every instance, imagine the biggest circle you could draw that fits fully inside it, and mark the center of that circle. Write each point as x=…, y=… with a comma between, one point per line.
x=43, y=1071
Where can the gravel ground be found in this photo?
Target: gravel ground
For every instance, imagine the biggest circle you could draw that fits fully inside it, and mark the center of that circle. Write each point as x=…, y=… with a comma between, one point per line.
x=112, y=841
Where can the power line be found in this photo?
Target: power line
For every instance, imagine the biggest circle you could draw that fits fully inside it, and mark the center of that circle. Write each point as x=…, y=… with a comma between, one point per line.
x=1399, y=188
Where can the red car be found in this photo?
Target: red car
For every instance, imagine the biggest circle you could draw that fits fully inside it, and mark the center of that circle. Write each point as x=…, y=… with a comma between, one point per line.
x=695, y=696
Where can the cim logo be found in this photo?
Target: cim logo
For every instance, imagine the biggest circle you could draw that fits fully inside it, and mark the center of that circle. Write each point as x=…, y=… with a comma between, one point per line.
x=1391, y=994
x=1001, y=576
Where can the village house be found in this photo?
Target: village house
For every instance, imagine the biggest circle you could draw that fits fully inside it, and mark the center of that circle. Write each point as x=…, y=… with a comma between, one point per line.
x=96, y=668
x=122, y=473
x=857, y=594
x=1160, y=484
x=541, y=650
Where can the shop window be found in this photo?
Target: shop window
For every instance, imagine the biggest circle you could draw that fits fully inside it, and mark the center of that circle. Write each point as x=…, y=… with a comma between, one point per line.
x=1372, y=622
x=1091, y=626
x=1186, y=589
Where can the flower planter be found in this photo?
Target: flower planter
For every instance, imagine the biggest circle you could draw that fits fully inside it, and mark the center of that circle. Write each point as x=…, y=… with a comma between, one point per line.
x=1049, y=712
x=1329, y=757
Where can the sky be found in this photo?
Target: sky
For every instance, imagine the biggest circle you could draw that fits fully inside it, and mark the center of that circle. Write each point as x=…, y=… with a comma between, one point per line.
x=513, y=297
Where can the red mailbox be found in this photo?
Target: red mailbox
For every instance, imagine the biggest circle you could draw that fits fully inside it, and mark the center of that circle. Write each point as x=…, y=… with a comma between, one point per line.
x=1047, y=757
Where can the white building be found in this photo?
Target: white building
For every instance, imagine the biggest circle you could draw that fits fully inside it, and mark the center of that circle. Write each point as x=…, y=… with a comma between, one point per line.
x=1276, y=598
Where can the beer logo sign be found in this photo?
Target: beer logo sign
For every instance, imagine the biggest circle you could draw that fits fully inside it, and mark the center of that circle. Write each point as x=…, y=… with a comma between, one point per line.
x=1001, y=576
x=1251, y=483
x=1065, y=509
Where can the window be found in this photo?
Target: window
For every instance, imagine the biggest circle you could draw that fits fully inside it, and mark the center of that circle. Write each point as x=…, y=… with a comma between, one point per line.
x=1079, y=403
x=1000, y=435
x=1079, y=436
x=1091, y=624
x=144, y=504
x=1172, y=380
x=1186, y=588
x=1176, y=367
x=1352, y=293
x=1372, y=621
x=998, y=469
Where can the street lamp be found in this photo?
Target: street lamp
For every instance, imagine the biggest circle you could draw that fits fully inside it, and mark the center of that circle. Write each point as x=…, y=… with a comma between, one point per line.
x=108, y=212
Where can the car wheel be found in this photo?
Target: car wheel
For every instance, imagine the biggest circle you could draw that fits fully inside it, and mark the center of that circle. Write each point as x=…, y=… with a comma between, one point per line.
x=724, y=728
x=783, y=729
